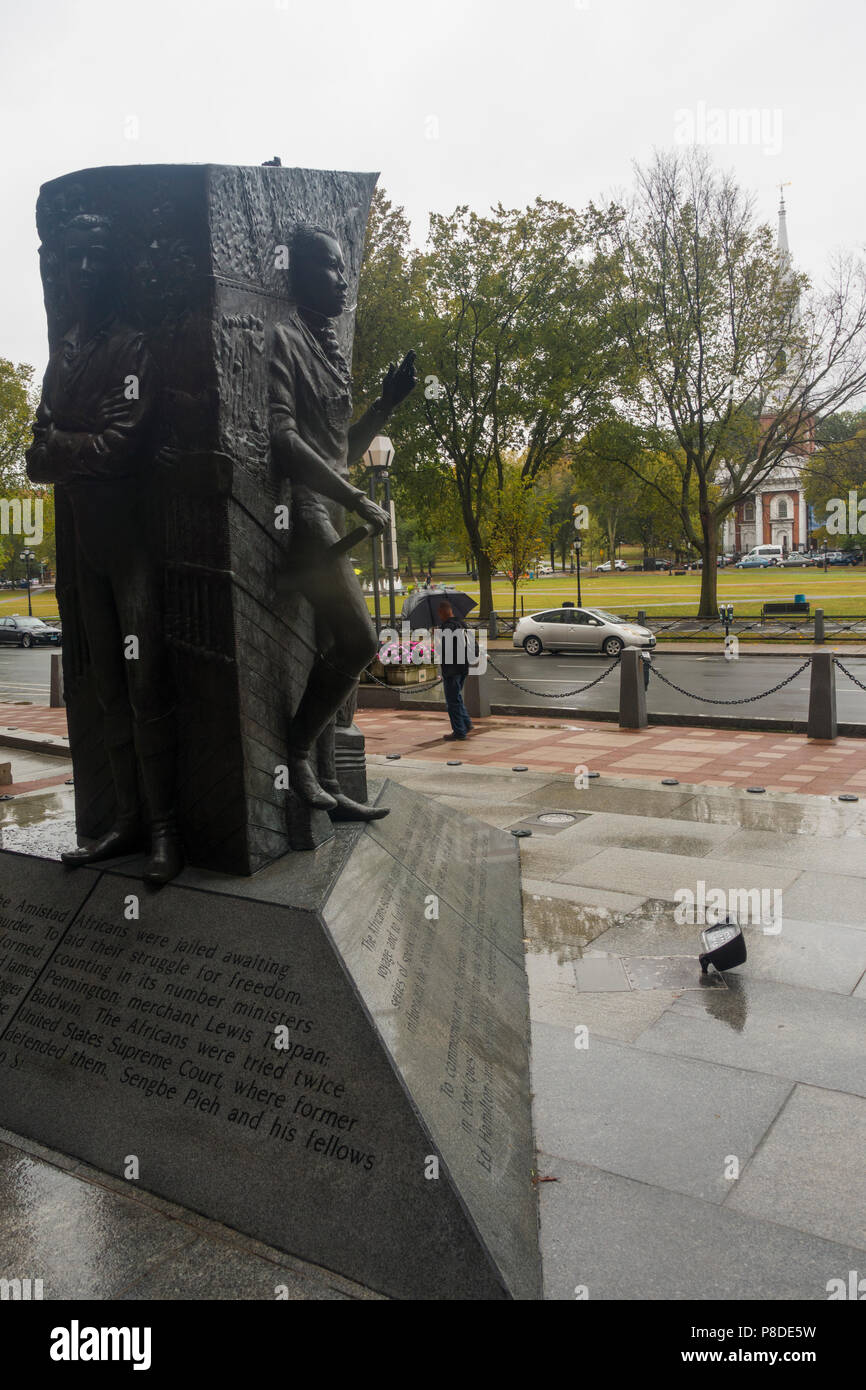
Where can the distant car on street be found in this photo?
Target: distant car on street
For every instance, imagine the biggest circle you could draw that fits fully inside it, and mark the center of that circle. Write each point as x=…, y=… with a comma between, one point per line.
x=604, y=568
x=27, y=632
x=754, y=562
x=579, y=629
x=796, y=559
x=842, y=557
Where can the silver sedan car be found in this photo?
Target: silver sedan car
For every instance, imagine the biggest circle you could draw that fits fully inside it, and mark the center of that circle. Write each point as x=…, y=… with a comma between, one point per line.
x=579, y=629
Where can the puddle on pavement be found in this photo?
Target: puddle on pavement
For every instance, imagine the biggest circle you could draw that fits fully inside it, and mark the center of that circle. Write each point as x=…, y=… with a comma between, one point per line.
x=642, y=951
x=559, y=927
x=40, y=823
x=33, y=808
x=729, y=1008
x=827, y=819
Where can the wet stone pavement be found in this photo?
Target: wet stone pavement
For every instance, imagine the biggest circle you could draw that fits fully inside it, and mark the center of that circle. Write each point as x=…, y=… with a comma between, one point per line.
x=698, y=1137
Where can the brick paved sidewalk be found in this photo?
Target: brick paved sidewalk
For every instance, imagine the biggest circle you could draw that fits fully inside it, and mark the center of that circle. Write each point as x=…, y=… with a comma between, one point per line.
x=34, y=721
x=712, y=757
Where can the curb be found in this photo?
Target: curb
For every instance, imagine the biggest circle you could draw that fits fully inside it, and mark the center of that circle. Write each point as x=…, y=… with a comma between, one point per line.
x=679, y=721
x=35, y=743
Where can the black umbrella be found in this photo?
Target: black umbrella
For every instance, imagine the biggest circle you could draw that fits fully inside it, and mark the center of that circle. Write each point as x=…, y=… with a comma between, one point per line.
x=422, y=607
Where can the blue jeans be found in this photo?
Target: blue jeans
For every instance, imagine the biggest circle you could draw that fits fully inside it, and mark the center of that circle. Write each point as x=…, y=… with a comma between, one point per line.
x=457, y=712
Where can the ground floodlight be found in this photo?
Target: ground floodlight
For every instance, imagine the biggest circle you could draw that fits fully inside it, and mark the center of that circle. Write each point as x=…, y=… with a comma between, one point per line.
x=725, y=946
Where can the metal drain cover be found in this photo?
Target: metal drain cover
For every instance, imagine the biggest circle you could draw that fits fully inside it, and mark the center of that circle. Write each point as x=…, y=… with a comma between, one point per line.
x=551, y=822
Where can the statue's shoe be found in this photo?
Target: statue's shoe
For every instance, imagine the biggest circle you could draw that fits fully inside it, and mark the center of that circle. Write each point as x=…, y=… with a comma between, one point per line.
x=347, y=809
x=120, y=839
x=166, y=855
x=302, y=781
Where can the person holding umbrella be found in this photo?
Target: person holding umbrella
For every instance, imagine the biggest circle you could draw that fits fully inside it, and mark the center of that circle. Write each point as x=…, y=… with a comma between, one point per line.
x=455, y=669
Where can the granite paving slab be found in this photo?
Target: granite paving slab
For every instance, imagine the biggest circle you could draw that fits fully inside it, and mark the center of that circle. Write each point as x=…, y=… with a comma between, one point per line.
x=609, y=1237
x=810, y=1172
x=632, y=1113
x=806, y=1035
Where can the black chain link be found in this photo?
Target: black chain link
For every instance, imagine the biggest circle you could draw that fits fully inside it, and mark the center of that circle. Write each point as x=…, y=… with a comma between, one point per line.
x=849, y=674
x=746, y=700
x=428, y=685
x=545, y=694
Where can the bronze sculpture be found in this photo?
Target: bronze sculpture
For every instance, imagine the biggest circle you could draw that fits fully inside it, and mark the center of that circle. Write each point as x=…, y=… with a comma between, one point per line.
x=194, y=390
x=312, y=445
x=93, y=439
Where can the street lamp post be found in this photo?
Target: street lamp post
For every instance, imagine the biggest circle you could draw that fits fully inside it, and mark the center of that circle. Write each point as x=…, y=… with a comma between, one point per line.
x=27, y=556
x=825, y=557
x=576, y=549
x=378, y=458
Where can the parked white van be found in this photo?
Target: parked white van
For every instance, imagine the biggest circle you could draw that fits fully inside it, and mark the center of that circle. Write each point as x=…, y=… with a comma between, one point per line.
x=771, y=552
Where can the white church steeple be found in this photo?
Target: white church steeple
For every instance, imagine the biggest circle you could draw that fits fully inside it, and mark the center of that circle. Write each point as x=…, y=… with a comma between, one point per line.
x=782, y=239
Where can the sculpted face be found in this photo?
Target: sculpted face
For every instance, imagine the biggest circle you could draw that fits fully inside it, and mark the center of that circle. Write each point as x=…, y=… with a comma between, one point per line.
x=319, y=278
x=87, y=262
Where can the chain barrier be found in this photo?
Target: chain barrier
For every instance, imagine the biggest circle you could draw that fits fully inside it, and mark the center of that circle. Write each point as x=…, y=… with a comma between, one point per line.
x=849, y=674
x=428, y=685
x=546, y=695
x=746, y=700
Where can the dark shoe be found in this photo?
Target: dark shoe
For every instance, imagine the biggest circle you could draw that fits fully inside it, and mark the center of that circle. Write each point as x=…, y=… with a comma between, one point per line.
x=123, y=838
x=347, y=809
x=450, y=738
x=302, y=780
x=166, y=855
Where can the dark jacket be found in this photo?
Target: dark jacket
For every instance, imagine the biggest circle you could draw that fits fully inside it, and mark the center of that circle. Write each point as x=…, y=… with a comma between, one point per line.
x=455, y=646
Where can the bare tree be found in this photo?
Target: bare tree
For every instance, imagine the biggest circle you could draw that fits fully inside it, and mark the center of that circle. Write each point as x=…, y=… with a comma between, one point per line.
x=731, y=354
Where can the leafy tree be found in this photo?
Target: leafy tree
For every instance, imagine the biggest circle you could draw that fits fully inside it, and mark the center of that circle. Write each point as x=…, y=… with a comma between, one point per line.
x=17, y=408
x=560, y=527
x=608, y=491
x=729, y=361
x=514, y=534
x=835, y=471
x=517, y=349
x=386, y=327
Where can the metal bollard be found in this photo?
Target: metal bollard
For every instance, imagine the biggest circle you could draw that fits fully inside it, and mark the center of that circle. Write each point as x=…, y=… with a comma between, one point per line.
x=476, y=694
x=641, y=617
x=819, y=625
x=822, y=697
x=632, y=695
x=56, y=698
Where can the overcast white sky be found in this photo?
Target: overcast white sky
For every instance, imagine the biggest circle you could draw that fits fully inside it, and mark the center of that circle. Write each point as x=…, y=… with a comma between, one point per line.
x=454, y=101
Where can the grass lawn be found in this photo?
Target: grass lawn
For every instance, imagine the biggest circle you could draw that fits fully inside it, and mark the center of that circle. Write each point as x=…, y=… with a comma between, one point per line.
x=840, y=592
x=15, y=601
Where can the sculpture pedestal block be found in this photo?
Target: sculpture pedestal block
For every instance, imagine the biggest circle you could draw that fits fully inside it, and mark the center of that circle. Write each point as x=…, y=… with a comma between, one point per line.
x=331, y=1056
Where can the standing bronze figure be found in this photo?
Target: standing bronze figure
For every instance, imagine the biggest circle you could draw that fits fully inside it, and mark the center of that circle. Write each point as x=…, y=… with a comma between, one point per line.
x=93, y=439
x=313, y=444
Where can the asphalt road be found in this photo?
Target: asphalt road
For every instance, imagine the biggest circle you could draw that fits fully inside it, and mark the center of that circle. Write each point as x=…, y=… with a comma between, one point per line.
x=708, y=675
x=24, y=675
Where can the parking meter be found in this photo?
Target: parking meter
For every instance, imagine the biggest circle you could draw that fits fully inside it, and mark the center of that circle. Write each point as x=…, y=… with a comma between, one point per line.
x=726, y=615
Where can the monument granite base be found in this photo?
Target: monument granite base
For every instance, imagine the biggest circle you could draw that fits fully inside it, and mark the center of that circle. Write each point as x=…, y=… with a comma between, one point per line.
x=331, y=1056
